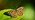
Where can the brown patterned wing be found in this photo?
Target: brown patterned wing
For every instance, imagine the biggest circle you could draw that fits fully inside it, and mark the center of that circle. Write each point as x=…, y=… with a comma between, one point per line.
x=13, y=13
x=20, y=11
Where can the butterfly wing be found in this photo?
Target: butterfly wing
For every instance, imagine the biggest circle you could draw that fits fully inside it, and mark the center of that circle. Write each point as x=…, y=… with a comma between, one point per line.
x=20, y=11
x=12, y=13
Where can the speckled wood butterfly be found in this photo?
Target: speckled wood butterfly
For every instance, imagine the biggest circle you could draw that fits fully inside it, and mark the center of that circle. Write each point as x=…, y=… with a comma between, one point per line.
x=17, y=12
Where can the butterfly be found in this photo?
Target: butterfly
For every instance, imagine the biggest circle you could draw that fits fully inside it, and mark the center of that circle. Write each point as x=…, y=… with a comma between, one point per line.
x=17, y=12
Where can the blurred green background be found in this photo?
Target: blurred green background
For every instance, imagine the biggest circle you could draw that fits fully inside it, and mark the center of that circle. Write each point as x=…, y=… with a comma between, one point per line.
x=12, y=4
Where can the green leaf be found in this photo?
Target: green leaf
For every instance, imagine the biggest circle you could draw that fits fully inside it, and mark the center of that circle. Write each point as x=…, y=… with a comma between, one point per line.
x=5, y=17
